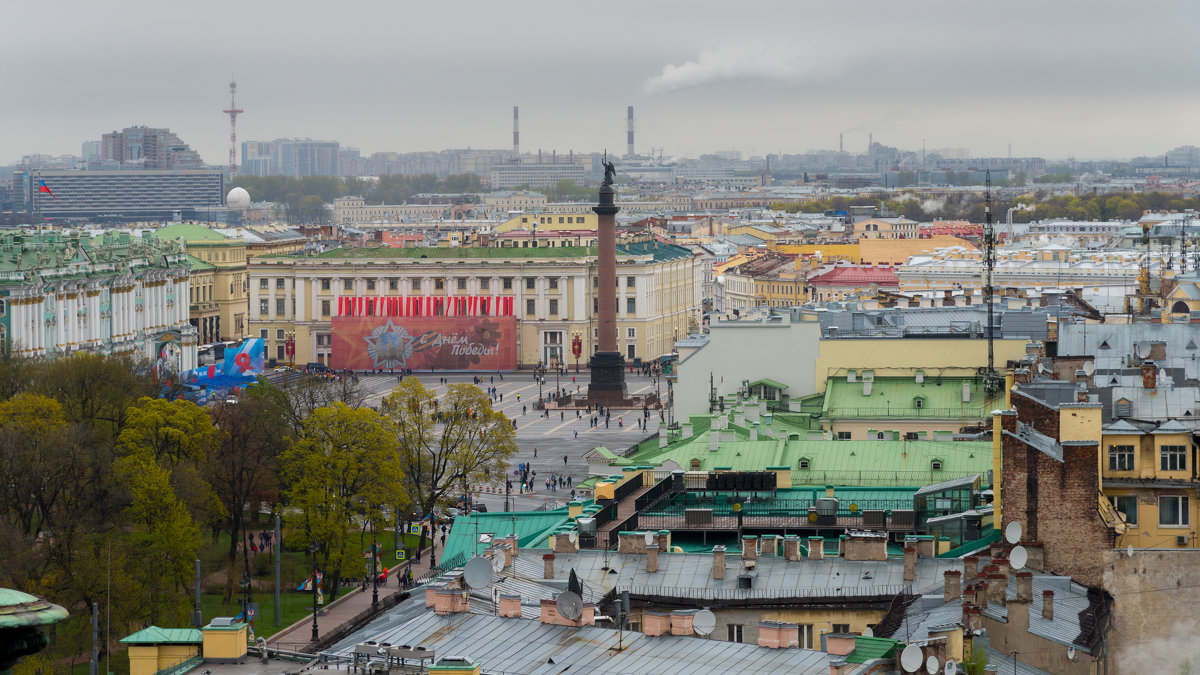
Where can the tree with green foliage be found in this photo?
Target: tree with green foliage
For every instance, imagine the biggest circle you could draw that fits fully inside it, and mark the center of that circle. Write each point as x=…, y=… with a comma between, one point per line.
x=449, y=445
x=341, y=473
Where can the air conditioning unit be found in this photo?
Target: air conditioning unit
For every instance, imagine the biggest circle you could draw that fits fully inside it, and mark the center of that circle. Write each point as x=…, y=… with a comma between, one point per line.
x=1181, y=540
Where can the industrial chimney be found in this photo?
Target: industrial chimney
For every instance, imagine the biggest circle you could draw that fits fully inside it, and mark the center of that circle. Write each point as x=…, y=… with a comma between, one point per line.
x=516, y=131
x=629, y=130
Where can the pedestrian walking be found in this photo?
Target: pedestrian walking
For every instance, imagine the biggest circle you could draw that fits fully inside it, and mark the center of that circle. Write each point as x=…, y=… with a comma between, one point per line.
x=535, y=453
x=564, y=460
x=576, y=433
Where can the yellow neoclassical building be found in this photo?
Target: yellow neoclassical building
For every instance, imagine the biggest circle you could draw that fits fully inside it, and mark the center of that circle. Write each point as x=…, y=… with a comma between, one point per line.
x=553, y=292
x=218, y=296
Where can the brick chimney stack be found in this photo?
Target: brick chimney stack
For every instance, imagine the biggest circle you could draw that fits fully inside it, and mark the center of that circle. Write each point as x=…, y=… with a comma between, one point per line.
x=910, y=563
x=953, y=585
x=718, y=562
x=652, y=558
x=1048, y=605
x=548, y=560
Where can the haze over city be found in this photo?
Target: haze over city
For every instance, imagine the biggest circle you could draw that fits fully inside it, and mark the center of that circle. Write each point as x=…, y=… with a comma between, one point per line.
x=1053, y=80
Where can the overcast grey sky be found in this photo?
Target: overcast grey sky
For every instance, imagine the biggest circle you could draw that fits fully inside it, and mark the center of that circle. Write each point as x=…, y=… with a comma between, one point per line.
x=1053, y=78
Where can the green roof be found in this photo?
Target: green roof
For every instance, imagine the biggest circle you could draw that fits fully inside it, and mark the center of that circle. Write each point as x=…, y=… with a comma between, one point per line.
x=869, y=648
x=896, y=397
x=533, y=529
x=661, y=251
x=198, y=264
x=154, y=635
x=191, y=232
x=770, y=383
x=466, y=252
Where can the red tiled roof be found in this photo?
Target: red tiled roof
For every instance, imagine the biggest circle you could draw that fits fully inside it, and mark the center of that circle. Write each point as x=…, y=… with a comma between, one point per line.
x=856, y=276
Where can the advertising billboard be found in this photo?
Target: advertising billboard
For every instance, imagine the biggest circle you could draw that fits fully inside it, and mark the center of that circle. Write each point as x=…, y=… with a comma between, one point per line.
x=424, y=343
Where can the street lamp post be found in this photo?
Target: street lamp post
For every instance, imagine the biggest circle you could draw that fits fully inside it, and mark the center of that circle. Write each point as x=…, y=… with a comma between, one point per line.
x=576, y=349
x=315, y=586
x=290, y=348
x=374, y=568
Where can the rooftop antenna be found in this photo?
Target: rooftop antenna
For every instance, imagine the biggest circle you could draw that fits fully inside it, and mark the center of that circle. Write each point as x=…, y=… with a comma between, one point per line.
x=233, y=112
x=991, y=379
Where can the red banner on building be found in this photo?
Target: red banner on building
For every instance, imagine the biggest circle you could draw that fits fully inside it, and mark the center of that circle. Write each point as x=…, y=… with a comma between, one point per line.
x=424, y=343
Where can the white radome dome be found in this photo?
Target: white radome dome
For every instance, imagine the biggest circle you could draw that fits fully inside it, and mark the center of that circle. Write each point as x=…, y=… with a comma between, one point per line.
x=238, y=199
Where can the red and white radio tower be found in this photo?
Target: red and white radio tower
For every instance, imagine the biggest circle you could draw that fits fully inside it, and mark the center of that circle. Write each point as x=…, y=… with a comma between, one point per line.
x=233, y=113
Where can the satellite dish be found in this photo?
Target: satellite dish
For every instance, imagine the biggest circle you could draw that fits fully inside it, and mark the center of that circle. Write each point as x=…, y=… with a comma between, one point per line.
x=1089, y=368
x=1129, y=550
x=932, y=665
x=498, y=562
x=951, y=668
x=649, y=538
x=1142, y=349
x=704, y=622
x=1018, y=557
x=1012, y=532
x=868, y=632
x=570, y=605
x=1071, y=653
x=910, y=658
x=478, y=572
x=572, y=536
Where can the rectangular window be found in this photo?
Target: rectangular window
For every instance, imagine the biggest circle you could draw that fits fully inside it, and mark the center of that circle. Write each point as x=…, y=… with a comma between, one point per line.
x=629, y=283
x=1120, y=458
x=1173, y=511
x=324, y=308
x=632, y=351
x=734, y=632
x=554, y=308
x=553, y=283
x=416, y=284
x=843, y=435
x=462, y=284
x=529, y=305
x=1173, y=457
x=324, y=284
x=595, y=305
x=508, y=283
x=439, y=284
x=806, y=636
x=595, y=282
x=392, y=285
x=263, y=333
x=484, y=284
x=279, y=352
x=1127, y=504
x=841, y=628
x=280, y=307
x=347, y=284
x=279, y=283
x=264, y=306
x=279, y=334
x=370, y=284
x=631, y=305
x=530, y=283
x=263, y=283
x=630, y=333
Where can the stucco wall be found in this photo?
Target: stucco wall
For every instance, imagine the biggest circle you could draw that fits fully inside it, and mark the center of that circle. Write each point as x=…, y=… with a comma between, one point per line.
x=1155, y=622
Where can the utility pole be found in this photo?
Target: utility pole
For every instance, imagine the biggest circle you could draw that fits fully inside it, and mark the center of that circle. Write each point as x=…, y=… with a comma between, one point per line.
x=278, y=548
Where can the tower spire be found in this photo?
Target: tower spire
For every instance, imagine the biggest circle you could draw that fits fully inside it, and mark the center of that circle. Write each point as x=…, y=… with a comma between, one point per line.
x=233, y=112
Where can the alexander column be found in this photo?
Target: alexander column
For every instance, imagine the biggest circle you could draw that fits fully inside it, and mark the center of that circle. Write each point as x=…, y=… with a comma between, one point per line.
x=607, y=385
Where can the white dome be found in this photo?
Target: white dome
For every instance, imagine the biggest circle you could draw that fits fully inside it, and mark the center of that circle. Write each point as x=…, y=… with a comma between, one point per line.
x=238, y=199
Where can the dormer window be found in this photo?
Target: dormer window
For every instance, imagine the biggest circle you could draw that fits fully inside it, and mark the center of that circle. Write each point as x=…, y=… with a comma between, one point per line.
x=804, y=463
x=919, y=402
x=935, y=465
x=695, y=465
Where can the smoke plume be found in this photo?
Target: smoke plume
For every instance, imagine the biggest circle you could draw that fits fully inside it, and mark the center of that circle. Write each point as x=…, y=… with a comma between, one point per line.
x=734, y=63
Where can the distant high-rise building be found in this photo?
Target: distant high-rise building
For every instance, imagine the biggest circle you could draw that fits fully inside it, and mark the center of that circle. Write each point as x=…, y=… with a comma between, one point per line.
x=90, y=151
x=291, y=157
x=148, y=148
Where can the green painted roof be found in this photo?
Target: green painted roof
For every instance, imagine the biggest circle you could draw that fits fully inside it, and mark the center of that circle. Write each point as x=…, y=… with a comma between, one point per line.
x=533, y=528
x=191, y=232
x=661, y=251
x=770, y=383
x=895, y=397
x=198, y=264
x=868, y=648
x=18, y=610
x=154, y=635
x=467, y=252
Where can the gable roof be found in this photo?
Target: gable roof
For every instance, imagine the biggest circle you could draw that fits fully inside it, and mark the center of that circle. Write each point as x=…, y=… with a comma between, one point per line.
x=153, y=635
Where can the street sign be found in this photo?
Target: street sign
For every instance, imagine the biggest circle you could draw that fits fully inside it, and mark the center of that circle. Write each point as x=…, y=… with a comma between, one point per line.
x=400, y=554
x=414, y=529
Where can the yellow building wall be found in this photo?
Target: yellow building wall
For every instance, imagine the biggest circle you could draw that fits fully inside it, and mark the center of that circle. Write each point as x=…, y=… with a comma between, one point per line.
x=822, y=620
x=1079, y=424
x=898, y=251
x=550, y=221
x=143, y=660
x=900, y=357
x=828, y=252
x=1147, y=532
x=225, y=643
x=173, y=655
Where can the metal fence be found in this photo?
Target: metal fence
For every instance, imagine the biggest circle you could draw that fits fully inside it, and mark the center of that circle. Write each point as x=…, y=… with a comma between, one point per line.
x=767, y=506
x=908, y=411
x=652, y=495
x=810, y=593
x=628, y=487
x=875, y=478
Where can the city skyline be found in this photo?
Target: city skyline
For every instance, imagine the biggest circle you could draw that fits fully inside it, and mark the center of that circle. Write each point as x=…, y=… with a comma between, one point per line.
x=1053, y=81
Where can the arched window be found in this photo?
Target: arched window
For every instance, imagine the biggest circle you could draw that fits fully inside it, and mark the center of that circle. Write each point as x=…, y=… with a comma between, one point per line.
x=935, y=465
x=695, y=465
x=805, y=463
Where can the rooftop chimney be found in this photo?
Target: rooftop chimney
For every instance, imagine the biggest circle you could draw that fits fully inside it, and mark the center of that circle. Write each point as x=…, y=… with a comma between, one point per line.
x=652, y=558
x=1025, y=586
x=777, y=634
x=548, y=560
x=910, y=563
x=718, y=562
x=1048, y=605
x=953, y=589
x=970, y=567
x=791, y=548
x=816, y=548
x=681, y=621
x=655, y=623
x=1149, y=375
x=749, y=547
x=510, y=605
